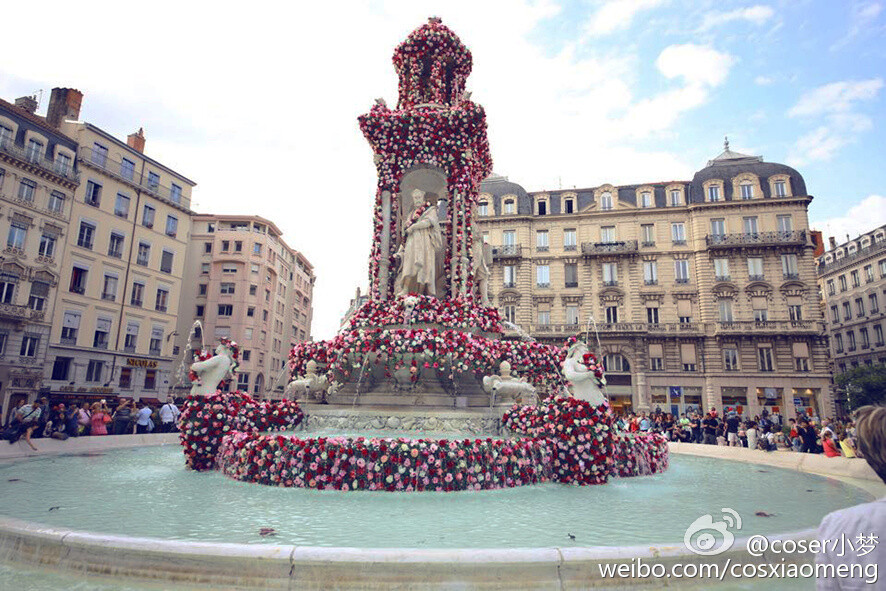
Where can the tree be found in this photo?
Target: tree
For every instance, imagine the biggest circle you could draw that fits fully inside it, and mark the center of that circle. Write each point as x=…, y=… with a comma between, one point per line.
x=863, y=385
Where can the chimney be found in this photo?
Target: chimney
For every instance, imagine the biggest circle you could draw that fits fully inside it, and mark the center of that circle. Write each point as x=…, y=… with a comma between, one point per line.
x=136, y=140
x=64, y=103
x=28, y=103
x=833, y=242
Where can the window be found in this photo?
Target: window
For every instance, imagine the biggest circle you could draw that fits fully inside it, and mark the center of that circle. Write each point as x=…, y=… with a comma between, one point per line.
x=510, y=313
x=5, y=136
x=70, y=328
x=760, y=306
x=153, y=180
x=250, y=312
x=714, y=193
x=544, y=317
x=56, y=202
x=127, y=169
x=652, y=315
x=688, y=356
x=676, y=200
x=616, y=363
x=125, y=377
x=755, y=268
x=865, y=339
x=750, y=225
x=730, y=359
x=94, y=371
x=795, y=310
x=606, y=201
x=39, y=293
x=7, y=288
x=678, y=233
x=144, y=254
x=542, y=207
x=873, y=303
x=156, y=343
x=109, y=288
x=855, y=279
x=247, y=354
x=166, y=261
x=510, y=276
x=611, y=314
x=238, y=246
x=835, y=314
x=647, y=234
x=656, y=357
x=86, y=236
x=543, y=275
x=93, y=194
x=721, y=269
x=859, y=307
x=204, y=268
x=571, y=274
x=789, y=267
x=161, y=304
x=131, y=341
x=30, y=345
x=847, y=311
x=718, y=227
x=150, y=379
x=171, y=226
x=243, y=382
x=200, y=310
x=568, y=206
x=831, y=288
x=483, y=208
x=78, y=279
x=26, y=189
x=571, y=314
x=569, y=240
x=684, y=311
x=202, y=288
x=175, y=193
x=610, y=274
x=747, y=191
x=868, y=273
x=878, y=335
x=785, y=223
x=541, y=240
x=509, y=206
x=725, y=306
x=61, y=367
x=115, y=245
x=225, y=310
x=253, y=289
x=850, y=336
x=843, y=285
x=227, y=288
x=607, y=234
x=35, y=150
x=764, y=358
x=99, y=154
x=18, y=231
x=681, y=271
x=138, y=294
x=148, y=216
x=780, y=189
x=838, y=343
x=645, y=199
x=232, y=269
x=650, y=272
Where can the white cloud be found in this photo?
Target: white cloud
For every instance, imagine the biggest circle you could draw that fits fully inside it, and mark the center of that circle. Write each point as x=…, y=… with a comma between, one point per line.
x=696, y=64
x=763, y=80
x=862, y=21
x=756, y=15
x=863, y=217
x=836, y=97
x=617, y=15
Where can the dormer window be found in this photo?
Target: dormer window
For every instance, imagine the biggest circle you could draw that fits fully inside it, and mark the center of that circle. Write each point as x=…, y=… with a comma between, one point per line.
x=606, y=201
x=714, y=193
x=542, y=207
x=675, y=198
x=780, y=189
x=483, y=208
x=509, y=206
x=646, y=199
x=747, y=191
x=569, y=206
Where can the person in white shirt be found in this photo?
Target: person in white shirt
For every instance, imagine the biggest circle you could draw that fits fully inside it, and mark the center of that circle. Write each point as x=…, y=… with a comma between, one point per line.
x=867, y=520
x=169, y=413
x=143, y=422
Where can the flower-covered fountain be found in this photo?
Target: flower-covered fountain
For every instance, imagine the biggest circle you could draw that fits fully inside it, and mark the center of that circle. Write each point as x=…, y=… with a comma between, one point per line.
x=426, y=353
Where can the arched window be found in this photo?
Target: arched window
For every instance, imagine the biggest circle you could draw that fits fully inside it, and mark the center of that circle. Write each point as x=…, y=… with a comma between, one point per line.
x=483, y=208
x=616, y=363
x=509, y=206
x=606, y=201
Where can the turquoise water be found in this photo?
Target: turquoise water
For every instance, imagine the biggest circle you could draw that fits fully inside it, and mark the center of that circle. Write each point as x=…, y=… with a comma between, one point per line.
x=148, y=492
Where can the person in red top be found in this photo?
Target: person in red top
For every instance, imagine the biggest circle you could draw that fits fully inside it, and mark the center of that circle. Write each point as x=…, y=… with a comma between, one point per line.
x=830, y=450
x=100, y=418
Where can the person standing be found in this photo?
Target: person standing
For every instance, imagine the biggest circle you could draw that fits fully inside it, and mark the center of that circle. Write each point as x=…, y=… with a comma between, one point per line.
x=99, y=419
x=143, y=423
x=169, y=413
x=122, y=417
x=709, y=426
x=732, y=424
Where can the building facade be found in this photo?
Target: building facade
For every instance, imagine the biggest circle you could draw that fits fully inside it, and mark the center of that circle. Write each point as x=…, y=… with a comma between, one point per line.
x=703, y=292
x=852, y=278
x=121, y=274
x=38, y=179
x=245, y=283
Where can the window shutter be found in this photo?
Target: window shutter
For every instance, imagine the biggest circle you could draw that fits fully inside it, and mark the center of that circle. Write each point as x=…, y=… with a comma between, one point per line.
x=103, y=325
x=801, y=350
x=656, y=350
x=40, y=289
x=758, y=303
x=684, y=308
x=71, y=320
x=795, y=301
x=157, y=332
x=132, y=329
x=687, y=352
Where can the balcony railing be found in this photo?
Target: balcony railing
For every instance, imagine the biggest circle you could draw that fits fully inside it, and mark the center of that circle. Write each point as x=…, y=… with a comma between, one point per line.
x=770, y=326
x=756, y=278
x=118, y=170
x=21, y=313
x=789, y=276
x=572, y=284
x=723, y=278
x=509, y=284
x=623, y=248
x=610, y=283
x=507, y=251
x=39, y=160
x=851, y=257
x=570, y=247
x=681, y=280
x=756, y=239
x=650, y=281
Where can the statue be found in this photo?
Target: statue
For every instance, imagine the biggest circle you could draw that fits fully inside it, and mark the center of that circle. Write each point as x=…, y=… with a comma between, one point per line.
x=504, y=384
x=482, y=253
x=311, y=385
x=420, y=249
x=584, y=374
x=208, y=374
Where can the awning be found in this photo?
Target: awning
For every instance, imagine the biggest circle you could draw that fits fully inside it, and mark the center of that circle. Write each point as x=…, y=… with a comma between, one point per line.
x=149, y=400
x=87, y=396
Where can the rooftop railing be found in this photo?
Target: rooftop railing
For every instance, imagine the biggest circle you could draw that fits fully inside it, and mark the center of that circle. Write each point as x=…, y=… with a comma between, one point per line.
x=756, y=239
x=55, y=167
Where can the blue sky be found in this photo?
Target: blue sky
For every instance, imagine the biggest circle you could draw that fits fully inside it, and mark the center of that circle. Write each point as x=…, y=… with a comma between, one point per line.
x=259, y=106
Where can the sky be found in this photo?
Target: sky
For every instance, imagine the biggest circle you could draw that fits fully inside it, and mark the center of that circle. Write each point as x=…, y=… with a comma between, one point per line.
x=260, y=106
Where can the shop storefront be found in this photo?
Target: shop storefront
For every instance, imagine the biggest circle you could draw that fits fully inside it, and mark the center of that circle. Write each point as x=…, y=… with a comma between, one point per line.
x=806, y=401
x=770, y=399
x=735, y=399
x=676, y=400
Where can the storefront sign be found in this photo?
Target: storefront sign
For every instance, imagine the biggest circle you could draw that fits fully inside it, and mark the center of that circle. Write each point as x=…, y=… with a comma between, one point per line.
x=676, y=391
x=798, y=402
x=149, y=363
x=85, y=390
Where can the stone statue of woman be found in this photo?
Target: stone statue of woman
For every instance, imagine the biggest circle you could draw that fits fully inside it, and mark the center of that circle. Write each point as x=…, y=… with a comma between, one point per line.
x=581, y=378
x=213, y=371
x=418, y=252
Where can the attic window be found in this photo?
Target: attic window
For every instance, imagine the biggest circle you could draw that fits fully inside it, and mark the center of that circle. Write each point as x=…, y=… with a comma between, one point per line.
x=483, y=208
x=542, y=208
x=509, y=206
x=646, y=199
x=568, y=206
x=606, y=201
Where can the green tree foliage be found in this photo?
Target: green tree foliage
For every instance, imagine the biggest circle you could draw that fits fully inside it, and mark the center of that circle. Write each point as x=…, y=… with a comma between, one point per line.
x=863, y=385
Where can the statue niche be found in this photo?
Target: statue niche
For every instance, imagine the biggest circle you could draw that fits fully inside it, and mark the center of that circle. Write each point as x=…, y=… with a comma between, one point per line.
x=420, y=254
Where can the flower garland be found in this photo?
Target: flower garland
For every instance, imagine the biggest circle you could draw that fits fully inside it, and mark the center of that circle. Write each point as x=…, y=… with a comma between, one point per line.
x=206, y=419
x=454, y=313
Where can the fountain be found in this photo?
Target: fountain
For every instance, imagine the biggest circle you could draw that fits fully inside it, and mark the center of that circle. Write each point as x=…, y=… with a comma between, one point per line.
x=410, y=466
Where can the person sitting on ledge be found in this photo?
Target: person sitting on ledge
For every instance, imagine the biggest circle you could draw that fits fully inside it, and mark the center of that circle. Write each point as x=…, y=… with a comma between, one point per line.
x=864, y=525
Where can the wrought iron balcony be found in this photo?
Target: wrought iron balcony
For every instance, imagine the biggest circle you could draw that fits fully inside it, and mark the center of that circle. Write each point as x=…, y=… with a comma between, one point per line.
x=622, y=248
x=572, y=284
x=507, y=251
x=650, y=281
x=756, y=278
x=20, y=313
x=51, y=166
x=745, y=239
x=128, y=175
x=770, y=327
x=681, y=280
x=789, y=276
x=610, y=283
x=723, y=278
x=570, y=247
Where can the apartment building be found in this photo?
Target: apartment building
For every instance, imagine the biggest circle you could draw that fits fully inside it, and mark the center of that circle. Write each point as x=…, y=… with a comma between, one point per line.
x=852, y=278
x=38, y=179
x=245, y=283
x=121, y=272
x=703, y=292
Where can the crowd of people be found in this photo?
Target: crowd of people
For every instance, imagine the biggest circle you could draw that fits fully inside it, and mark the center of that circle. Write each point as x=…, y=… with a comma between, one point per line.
x=39, y=419
x=767, y=431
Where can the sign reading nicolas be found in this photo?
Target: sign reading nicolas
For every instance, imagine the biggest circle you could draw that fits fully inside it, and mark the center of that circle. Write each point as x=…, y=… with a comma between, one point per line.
x=148, y=363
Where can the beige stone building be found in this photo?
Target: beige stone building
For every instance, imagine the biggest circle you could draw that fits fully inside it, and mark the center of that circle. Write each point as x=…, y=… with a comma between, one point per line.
x=121, y=274
x=38, y=178
x=852, y=277
x=704, y=291
x=245, y=283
